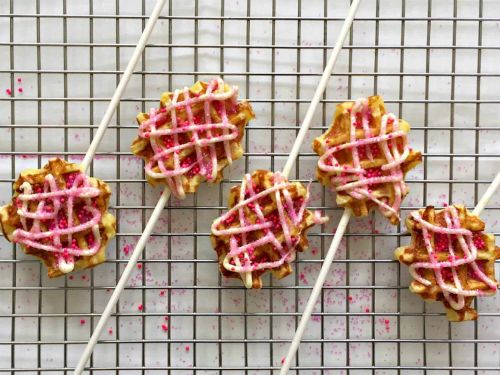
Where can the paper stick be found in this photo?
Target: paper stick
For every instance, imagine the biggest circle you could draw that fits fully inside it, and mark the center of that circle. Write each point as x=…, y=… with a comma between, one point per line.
x=115, y=100
x=487, y=195
x=159, y=206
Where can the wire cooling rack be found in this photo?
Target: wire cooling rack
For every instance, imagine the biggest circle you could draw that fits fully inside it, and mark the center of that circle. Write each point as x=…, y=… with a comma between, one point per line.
x=435, y=63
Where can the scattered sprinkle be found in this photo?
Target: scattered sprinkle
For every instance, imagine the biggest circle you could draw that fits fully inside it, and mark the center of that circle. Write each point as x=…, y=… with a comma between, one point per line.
x=140, y=307
x=139, y=265
x=166, y=318
x=8, y=92
x=110, y=331
x=162, y=293
x=367, y=310
x=187, y=348
x=82, y=321
x=282, y=360
x=71, y=277
x=164, y=327
x=20, y=89
x=19, y=80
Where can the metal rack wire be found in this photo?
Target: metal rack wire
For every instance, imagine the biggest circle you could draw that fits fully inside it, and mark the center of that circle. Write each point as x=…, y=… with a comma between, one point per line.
x=435, y=64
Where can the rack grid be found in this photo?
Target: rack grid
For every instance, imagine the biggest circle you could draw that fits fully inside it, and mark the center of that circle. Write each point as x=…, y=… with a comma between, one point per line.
x=435, y=63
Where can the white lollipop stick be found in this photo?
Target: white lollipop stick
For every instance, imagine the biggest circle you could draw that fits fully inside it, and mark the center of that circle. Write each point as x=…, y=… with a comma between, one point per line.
x=115, y=100
x=123, y=280
x=320, y=89
x=487, y=195
x=161, y=202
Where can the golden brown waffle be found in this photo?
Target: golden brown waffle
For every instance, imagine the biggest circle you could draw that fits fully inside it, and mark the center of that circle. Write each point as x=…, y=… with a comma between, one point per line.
x=33, y=182
x=252, y=204
x=348, y=128
x=201, y=115
x=475, y=274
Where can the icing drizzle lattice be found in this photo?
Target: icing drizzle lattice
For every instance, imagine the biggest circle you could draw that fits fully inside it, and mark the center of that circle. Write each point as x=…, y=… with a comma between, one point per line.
x=197, y=132
x=453, y=290
x=59, y=216
x=289, y=212
x=356, y=180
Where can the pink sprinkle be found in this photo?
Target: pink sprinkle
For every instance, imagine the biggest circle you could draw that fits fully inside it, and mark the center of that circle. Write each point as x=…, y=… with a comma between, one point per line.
x=164, y=327
x=367, y=310
x=162, y=293
x=139, y=265
x=386, y=321
x=8, y=92
x=187, y=348
x=110, y=331
x=20, y=89
x=82, y=321
x=282, y=360
x=140, y=307
x=19, y=80
x=126, y=249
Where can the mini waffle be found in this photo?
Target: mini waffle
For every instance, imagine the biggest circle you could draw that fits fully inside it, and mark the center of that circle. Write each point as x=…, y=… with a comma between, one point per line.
x=266, y=224
x=59, y=215
x=451, y=259
x=193, y=136
x=364, y=157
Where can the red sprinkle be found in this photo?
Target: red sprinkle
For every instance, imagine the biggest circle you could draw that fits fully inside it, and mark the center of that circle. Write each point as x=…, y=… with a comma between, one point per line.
x=20, y=89
x=82, y=321
x=162, y=293
x=367, y=310
x=110, y=331
x=139, y=265
x=140, y=307
x=8, y=92
x=71, y=277
x=164, y=327
x=19, y=79
x=187, y=348
x=282, y=360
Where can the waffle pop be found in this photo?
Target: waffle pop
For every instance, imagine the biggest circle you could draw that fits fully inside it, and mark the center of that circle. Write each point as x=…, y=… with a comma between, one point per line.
x=450, y=258
x=194, y=134
x=265, y=226
x=59, y=215
x=364, y=158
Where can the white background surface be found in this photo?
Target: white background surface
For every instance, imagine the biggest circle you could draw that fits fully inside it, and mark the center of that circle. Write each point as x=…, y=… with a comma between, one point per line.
x=433, y=88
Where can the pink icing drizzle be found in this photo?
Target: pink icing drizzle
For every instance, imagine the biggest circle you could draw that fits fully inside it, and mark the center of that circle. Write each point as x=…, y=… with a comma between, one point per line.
x=465, y=240
x=55, y=209
x=206, y=158
x=239, y=259
x=356, y=180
